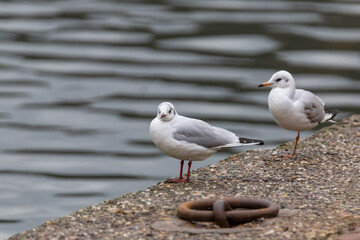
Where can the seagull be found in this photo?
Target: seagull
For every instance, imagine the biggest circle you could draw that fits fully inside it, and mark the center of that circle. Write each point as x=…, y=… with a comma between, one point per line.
x=190, y=139
x=295, y=109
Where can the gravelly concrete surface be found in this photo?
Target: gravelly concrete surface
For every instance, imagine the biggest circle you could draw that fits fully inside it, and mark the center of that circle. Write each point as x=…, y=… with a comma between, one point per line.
x=318, y=192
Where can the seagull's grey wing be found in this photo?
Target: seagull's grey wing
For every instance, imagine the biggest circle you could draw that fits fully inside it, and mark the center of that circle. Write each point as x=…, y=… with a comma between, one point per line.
x=312, y=104
x=201, y=133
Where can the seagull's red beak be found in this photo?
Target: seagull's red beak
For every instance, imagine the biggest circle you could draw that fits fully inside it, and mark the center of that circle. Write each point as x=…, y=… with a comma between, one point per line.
x=265, y=84
x=163, y=115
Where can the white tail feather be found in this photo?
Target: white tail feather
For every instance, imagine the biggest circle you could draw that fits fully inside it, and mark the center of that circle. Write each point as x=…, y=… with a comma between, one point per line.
x=230, y=145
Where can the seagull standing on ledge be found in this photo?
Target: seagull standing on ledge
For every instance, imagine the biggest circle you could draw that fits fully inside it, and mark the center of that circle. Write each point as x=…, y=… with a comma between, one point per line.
x=295, y=109
x=189, y=139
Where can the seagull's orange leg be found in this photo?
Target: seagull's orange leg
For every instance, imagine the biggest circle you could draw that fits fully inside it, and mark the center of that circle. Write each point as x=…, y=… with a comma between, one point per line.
x=180, y=179
x=297, y=139
x=188, y=172
x=296, y=142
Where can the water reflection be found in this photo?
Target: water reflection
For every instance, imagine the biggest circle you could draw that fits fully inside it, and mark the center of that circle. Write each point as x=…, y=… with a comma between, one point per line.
x=80, y=82
x=318, y=59
x=226, y=45
x=325, y=34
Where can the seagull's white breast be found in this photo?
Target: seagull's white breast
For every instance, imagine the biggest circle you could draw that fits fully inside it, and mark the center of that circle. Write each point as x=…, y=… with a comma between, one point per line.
x=288, y=113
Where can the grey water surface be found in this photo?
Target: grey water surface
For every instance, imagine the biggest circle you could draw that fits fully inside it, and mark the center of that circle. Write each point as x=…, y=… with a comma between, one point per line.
x=80, y=82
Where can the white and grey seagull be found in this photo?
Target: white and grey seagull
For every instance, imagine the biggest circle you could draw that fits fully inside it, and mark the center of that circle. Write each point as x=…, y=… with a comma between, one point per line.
x=189, y=139
x=295, y=109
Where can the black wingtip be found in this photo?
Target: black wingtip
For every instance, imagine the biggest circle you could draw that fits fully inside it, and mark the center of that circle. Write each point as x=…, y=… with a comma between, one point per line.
x=333, y=112
x=249, y=140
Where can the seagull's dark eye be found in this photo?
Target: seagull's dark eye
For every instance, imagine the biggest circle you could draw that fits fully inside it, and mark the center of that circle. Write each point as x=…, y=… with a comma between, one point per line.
x=170, y=110
x=278, y=80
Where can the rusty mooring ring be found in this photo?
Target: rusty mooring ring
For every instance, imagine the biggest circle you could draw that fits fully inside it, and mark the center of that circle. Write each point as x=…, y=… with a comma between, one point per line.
x=223, y=211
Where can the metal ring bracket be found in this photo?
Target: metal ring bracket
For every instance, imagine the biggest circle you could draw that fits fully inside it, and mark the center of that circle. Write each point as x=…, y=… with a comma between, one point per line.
x=224, y=211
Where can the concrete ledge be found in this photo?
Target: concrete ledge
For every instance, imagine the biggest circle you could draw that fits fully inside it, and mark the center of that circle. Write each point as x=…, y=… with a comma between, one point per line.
x=318, y=192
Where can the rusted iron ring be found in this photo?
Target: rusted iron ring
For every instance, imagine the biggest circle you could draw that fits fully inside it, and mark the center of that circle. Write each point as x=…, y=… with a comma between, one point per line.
x=223, y=211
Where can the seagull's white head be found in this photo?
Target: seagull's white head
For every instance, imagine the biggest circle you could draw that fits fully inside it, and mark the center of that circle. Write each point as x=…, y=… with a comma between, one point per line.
x=166, y=112
x=280, y=79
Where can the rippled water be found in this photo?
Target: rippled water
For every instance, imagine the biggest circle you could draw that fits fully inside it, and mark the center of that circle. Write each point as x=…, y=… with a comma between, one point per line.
x=80, y=82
